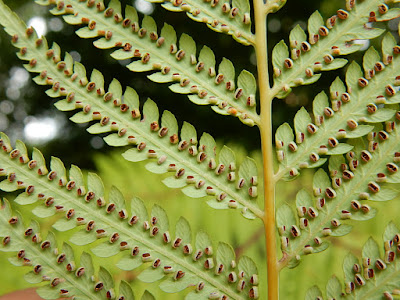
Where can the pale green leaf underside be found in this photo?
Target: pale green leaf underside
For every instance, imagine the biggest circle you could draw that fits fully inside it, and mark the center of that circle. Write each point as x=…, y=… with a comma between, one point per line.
x=368, y=176
x=348, y=113
x=180, y=157
x=317, y=52
x=313, y=293
x=122, y=231
x=220, y=16
x=53, y=263
x=378, y=280
x=180, y=67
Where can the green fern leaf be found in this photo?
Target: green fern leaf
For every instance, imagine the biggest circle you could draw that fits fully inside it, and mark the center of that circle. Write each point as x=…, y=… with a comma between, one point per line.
x=193, y=165
x=181, y=262
x=64, y=275
x=316, y=54
x=221, y=17
x=373, y=276
x=367, y=173
x=148, y=296
x=352, y=110
x=313, y=293
x=195, y=76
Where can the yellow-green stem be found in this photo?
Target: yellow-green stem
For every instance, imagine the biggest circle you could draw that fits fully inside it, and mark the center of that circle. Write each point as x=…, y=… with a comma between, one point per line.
x=267, y=149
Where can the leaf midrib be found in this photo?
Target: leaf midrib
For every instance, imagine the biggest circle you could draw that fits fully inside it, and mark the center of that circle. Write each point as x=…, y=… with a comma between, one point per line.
x=363, y=94
x=53, y=267
x=111, y=224
x=375, y=286
x=244, y=34
x=65, y=195
x=175, y=155
x=366, y=173
x=172, y=62
x=322, y=45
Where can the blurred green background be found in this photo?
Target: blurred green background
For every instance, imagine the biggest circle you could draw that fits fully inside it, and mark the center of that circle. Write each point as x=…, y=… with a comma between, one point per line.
x=26, y=113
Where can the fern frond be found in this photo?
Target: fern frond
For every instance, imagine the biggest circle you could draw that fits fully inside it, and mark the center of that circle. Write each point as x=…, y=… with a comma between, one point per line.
x=65, y=277
x=195, y=76
x=373, y=276
x=316, y=54
x=352, y=110
x=138, y=238
x=147, y=296
x=221, y=16
x=367, y=174
x=193, y=165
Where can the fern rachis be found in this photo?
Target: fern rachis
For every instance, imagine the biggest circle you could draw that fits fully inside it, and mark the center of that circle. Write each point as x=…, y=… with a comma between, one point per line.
x=352, y=130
